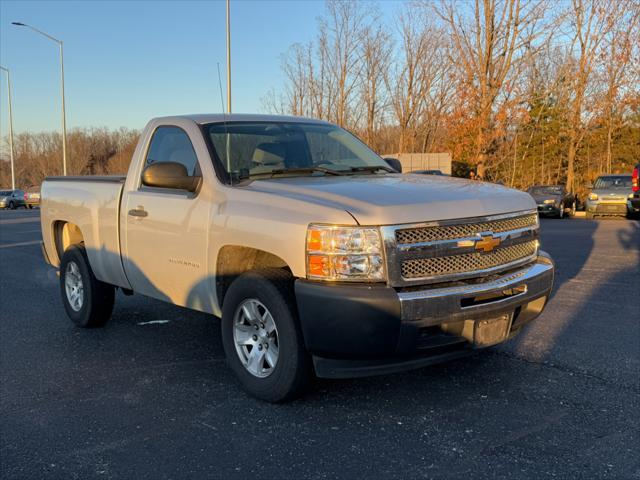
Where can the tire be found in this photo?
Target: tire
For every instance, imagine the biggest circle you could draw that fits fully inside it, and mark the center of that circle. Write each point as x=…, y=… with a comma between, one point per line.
x=12, y=206
x=561, y=212
x=96, y=298
x=261, y=292
x=572, y=212
x=29, y=206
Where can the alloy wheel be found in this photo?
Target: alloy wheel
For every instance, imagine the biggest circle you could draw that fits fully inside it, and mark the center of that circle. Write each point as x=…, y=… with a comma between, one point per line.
x=255, y=337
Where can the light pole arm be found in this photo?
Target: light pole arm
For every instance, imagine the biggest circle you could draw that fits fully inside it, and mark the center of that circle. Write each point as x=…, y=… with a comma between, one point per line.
x=50, y=37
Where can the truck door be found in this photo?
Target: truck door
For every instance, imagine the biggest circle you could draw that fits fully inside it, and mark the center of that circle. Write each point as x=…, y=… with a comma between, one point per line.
x=165, y=230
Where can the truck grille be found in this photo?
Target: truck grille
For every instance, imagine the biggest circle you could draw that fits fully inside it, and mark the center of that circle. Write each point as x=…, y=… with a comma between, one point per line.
x=431, y=234
x=454, y=250
x=429, y=267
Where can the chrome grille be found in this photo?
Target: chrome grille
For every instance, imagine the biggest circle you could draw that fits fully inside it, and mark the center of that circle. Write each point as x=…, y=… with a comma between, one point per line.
x=429, y=267
x=448, y=232
x=452, y=250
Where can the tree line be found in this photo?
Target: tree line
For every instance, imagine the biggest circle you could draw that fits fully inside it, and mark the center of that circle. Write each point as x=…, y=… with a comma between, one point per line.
x=90, y=151
x=521, y=91
x=524, y=92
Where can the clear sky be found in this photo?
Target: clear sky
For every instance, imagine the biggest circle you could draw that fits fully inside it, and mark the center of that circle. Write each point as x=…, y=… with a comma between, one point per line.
x=128, y=61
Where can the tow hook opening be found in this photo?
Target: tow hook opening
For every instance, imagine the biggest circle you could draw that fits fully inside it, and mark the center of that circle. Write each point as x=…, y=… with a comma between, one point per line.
x=493, y=296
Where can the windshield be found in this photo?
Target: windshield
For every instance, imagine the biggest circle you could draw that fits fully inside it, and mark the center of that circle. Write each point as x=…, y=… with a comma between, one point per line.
x=619, y=181
x=546, y=190
x=259, y=149
x=4, y=193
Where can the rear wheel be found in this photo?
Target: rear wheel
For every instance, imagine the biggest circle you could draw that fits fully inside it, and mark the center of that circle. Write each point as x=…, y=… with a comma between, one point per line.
x=572, y=212
x=87, y=300
x=261, y=335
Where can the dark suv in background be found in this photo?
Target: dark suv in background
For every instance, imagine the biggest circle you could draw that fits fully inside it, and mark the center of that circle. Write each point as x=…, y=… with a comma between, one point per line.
x=553, y=200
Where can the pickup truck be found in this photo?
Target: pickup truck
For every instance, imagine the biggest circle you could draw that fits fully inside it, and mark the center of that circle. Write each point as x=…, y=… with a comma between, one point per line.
x=318, y=256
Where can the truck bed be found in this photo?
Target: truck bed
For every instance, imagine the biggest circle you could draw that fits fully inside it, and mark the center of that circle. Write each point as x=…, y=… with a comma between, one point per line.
x=92, y=205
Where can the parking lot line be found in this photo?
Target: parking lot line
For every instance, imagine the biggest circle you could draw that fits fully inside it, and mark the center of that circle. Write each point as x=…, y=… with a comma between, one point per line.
x=20, y=244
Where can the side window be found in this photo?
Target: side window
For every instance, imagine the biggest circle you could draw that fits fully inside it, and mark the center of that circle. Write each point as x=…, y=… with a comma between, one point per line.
x=172, y=144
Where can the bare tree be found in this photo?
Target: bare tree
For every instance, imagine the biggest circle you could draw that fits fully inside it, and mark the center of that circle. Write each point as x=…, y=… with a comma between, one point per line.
x=488, y=44
x=375, y=53
x=590, y=21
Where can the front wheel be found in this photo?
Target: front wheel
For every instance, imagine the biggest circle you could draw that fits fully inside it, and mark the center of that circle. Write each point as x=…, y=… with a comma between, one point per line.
x=261, y=335
x=87, y=300
x=12, y=206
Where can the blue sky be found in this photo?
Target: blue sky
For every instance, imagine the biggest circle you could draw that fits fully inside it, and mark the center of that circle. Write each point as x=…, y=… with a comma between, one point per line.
x=128, y=61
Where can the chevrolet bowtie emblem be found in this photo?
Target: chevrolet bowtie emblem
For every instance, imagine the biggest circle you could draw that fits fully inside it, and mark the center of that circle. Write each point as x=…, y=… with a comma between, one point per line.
x=487, y=243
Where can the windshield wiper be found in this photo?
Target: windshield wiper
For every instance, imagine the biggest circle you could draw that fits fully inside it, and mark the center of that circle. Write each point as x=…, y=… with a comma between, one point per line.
x=324, y=170
x=373, y=168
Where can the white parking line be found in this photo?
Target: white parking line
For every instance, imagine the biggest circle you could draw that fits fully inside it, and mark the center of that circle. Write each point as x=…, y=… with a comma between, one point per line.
x=20, y=244
x=20, y=220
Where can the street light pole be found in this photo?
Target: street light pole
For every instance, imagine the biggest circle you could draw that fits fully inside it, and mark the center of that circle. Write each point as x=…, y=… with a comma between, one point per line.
x=64, y=115
x=228, y=58
x=13, y=174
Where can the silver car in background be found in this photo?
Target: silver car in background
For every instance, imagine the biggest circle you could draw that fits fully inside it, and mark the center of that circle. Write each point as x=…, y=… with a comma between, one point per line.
x=609, y=196
x=12, y=199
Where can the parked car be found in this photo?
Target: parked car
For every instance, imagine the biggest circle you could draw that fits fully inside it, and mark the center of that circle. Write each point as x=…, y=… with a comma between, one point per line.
x=429, y=172
x=32, y=196
x=633, y=201
x=12, y=199
x=553, y=200
x=609, y=196
x=319, y=258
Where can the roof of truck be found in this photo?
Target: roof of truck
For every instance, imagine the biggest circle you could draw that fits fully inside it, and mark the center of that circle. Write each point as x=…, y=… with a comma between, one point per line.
x=202, y=118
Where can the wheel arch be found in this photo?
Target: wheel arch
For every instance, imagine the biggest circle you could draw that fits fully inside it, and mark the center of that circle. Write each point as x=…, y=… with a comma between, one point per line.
x=66, y=234
x=234, y=260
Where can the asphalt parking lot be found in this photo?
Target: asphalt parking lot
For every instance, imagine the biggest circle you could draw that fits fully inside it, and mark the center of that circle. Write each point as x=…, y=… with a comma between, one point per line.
x=149, y=395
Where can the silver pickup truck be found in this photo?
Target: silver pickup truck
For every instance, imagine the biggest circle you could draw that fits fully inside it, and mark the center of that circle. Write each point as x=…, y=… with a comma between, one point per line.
x=317, y=255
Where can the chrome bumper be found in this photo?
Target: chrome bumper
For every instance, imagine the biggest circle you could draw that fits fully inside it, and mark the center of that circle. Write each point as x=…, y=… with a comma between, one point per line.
x=523, y=292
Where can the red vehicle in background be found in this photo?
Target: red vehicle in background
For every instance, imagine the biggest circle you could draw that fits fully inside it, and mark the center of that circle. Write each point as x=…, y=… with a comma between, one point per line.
x=633, y=202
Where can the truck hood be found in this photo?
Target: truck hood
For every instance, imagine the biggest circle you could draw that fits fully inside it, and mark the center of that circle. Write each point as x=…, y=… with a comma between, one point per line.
x=387, y=199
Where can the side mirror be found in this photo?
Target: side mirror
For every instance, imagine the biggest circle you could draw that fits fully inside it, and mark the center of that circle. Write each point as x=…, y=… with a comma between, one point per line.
x=169, y=175
x=394, y=163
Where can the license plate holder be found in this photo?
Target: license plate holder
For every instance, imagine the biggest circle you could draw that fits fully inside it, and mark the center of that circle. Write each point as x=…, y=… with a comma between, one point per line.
x=490, y=331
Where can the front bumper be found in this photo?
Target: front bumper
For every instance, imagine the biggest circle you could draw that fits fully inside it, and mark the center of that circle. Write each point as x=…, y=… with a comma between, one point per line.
x=606, y=208
x=360, y=330
x=548, y=209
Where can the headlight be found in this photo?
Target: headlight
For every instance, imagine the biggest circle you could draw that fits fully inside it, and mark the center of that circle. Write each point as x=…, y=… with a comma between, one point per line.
x=344, y=253
x=593, y=196
x=630, y=195
x=549, y=201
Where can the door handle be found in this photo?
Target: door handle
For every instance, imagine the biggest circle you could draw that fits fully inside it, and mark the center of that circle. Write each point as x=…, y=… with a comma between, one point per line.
x=138, y=212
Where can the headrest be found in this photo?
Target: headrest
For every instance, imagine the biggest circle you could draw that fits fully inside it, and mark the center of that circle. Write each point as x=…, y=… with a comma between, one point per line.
x=269, y=154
